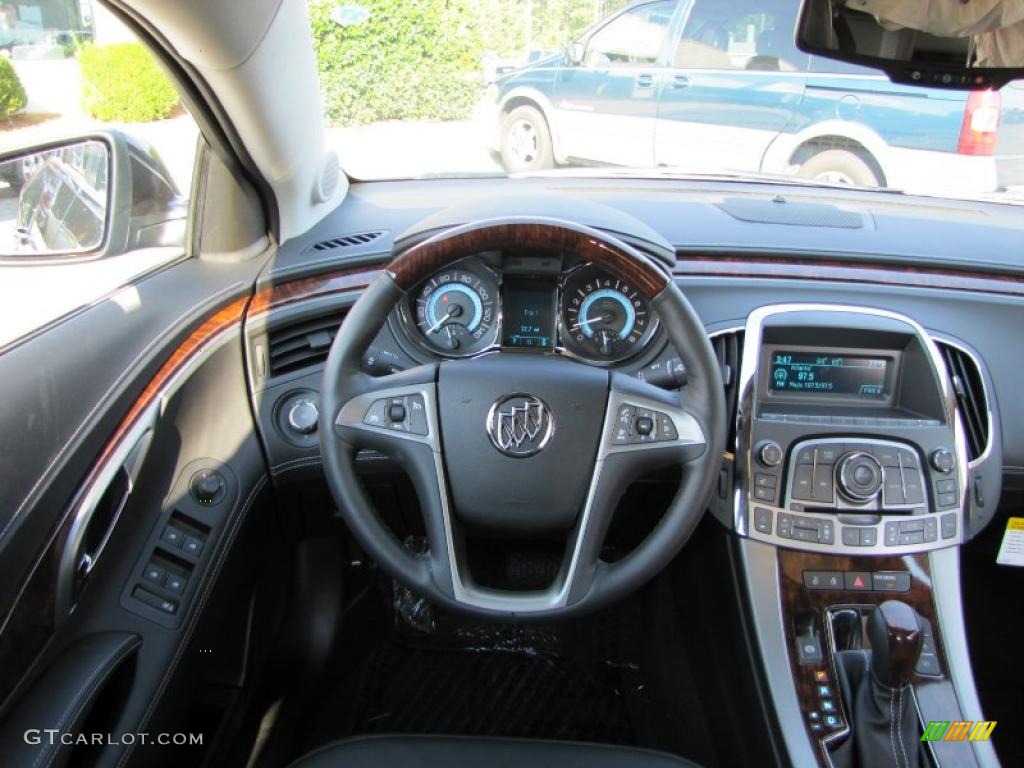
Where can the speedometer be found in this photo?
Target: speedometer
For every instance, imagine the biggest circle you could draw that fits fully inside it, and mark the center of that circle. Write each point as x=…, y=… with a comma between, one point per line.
x=603, y=318
x=454, y=312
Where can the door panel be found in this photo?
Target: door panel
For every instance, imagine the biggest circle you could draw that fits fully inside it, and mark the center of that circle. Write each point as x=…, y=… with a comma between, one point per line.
x=735, y=82
x=605, y=108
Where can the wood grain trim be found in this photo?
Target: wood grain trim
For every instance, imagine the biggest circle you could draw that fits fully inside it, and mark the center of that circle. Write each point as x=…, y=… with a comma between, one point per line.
x=789, y=268
x=797, y=601
x=221, y=320
x=424, y=259
x=306, y=288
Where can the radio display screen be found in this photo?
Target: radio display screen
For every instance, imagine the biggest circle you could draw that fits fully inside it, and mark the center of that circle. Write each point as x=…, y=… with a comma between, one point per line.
x=813, y=373
x=528, y=309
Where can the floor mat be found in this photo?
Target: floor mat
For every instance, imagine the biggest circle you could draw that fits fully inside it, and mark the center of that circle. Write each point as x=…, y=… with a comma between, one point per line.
x=491, y=693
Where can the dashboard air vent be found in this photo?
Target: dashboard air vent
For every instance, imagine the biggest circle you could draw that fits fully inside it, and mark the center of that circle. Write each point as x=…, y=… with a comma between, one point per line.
x=347, y=241
x=728, y=349
x=970, y=396
x=302, y=343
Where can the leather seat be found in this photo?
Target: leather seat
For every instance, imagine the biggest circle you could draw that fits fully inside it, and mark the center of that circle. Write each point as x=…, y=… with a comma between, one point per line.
x=457, y=751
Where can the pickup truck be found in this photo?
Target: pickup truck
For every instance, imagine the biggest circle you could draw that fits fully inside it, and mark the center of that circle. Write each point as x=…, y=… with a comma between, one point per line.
x=719, y=85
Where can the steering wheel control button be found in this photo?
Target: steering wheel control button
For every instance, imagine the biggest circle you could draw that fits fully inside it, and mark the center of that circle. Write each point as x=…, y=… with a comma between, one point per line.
x=623, y=428
x=208, y=487
x=520, y=425
x=643, y=426
x=769, y=453
x=376, y=414
x=942, y=460
x=396, y=411
x=949, y=525
x=417, y=415
x=666, y=428
x=303, y=416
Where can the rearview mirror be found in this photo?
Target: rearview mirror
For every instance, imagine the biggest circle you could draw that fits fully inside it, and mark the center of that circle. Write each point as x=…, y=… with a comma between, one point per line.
x=87, y=197
x=943, y=45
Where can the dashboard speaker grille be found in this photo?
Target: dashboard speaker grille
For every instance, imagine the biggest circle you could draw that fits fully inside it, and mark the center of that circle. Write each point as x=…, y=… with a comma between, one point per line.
x=970, y=396
x=728, y=347
x=302, y=344
x=347, y=241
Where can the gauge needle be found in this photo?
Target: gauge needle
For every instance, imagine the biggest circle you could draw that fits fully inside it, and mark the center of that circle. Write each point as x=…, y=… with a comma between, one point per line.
x=455, y=311
x=605, y=317
x=437, y=326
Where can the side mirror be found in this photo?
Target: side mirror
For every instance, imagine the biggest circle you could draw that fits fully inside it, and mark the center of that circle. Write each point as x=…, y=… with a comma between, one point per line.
x=574, y=53
x=87, y=197
x=970, y=47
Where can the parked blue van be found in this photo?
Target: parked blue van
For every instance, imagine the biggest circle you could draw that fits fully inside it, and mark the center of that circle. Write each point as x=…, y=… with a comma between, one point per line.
x=719, y=85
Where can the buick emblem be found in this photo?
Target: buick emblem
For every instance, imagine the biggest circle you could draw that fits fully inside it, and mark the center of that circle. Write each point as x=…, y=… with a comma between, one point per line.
x=520, y=425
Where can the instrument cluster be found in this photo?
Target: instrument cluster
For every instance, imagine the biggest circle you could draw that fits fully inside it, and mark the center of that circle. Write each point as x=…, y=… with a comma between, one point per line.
x=530, y=304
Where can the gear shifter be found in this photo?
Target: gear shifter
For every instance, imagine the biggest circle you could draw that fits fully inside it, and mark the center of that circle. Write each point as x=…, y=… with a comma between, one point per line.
x=895, y=633
x=876, y=691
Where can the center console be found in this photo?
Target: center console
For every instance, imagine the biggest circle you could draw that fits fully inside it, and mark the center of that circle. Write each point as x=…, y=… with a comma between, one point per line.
x=852, y=493
x=852, y=445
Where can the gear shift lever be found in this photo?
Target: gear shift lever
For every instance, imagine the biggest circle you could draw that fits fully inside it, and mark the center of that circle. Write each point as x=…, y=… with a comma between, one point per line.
x=895, y=633
x=876, y=693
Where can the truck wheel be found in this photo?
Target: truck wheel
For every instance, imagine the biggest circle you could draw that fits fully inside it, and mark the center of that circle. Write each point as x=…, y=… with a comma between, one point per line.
x=526, y=141
x=840, y=166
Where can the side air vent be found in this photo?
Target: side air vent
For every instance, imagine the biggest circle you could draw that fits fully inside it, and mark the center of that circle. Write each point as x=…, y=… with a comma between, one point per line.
x=970, y=396
x=347, y=241
x=302, y=344
x=728, y=349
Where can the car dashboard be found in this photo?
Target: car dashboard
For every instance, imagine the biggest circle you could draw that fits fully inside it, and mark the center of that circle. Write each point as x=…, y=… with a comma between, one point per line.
x=863, y=366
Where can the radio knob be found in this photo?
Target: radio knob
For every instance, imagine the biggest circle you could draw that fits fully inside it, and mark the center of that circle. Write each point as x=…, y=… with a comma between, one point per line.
x=942, y=460
x=769, y=453
x=303, y=416
x=860, y=476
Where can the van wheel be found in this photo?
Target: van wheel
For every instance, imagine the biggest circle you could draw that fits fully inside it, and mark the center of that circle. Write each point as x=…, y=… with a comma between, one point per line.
x=839, y=166
x=526, y=141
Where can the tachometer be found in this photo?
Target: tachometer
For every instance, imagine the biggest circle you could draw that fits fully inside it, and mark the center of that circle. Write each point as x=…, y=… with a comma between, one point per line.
x=603, y=318
x=454, y=312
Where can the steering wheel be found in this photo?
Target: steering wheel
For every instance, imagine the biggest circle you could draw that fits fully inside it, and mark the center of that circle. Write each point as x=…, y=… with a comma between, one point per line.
x=518, y=444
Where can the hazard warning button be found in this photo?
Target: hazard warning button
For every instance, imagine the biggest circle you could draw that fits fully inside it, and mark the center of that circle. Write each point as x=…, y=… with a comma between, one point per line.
x=858, y=581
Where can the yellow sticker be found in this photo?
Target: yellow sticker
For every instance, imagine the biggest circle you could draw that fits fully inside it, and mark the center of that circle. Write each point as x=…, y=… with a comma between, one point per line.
x=1011, y=551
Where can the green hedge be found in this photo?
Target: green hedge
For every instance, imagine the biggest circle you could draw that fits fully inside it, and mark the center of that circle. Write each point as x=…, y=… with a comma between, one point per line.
x=12, y=94
x=412, y=59
x=122, y=82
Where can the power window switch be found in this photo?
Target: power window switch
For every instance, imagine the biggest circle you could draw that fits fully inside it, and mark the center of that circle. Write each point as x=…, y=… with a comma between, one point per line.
x=192, y=546
x=173, y=536
x=175, y=583
x=154, y=574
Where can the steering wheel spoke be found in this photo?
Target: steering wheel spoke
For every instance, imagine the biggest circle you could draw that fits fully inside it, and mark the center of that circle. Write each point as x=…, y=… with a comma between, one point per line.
x=392, y=411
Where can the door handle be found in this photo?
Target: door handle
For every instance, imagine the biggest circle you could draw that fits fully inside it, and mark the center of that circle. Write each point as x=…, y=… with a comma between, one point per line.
x=645, y=81
x=680, y=81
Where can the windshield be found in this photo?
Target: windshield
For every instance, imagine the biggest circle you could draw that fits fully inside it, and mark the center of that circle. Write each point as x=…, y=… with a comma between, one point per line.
x=687, y=87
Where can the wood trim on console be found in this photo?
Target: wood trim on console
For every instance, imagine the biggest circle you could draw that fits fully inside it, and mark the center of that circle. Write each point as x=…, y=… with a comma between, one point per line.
x=798, y=600
x=423, y=259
